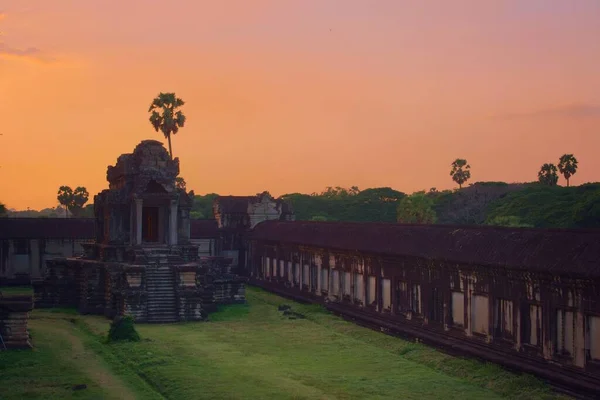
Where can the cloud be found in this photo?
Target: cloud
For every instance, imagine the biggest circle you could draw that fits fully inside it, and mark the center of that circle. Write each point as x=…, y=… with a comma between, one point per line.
x=577, y=110
x=30, y=54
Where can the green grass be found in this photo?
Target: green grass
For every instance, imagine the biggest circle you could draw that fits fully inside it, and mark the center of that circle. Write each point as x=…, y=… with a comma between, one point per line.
x=8, y=291
x=247, y=352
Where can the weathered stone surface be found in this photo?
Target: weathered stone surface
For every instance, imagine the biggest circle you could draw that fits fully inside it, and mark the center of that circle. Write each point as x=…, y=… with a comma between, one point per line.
x=14, y=315
x=142, y=263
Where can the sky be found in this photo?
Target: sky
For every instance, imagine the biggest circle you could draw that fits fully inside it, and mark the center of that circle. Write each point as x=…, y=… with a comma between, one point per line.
x=296, y=95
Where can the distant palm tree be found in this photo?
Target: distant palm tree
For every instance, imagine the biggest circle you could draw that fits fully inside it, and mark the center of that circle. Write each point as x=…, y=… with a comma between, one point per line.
x=548, y=175
x=567, y=165
x=460, y=171
x=171, y=118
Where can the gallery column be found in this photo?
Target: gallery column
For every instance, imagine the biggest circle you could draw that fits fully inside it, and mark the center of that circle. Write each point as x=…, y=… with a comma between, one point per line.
x=173, y=223
x=138, y=225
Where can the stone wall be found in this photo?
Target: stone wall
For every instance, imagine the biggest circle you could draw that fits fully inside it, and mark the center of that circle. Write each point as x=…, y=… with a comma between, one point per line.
x=28, y=256
x=545, y=324
x=14, y=315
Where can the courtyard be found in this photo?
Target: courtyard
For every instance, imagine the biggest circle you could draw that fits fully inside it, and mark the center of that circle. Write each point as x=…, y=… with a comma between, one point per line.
x=245, y=352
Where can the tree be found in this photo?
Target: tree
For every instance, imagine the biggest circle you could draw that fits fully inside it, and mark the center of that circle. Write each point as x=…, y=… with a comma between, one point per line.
x=180, y=183
x=65, y=197
x=80, y=197
x=3, y=211
x=548, y=175
x=567, y=165
x=416, y=208
x=72, y=200
x=171, y=118
x=460, y=171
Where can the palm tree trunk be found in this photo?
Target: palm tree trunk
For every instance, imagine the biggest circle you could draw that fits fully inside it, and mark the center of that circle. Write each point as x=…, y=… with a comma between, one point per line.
x=170, y=150
x=66, y=212
x=567, y=182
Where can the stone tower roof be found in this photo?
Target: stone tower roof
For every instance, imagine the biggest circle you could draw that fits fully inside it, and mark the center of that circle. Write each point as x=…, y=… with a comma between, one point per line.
x=149, y=162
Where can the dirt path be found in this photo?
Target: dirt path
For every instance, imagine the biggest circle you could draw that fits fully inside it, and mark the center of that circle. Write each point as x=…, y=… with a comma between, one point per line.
x=88, y=361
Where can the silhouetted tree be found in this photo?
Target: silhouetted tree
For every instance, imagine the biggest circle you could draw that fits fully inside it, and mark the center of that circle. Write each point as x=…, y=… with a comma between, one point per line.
x=180, y=183
x=65, y=197
x=460, y=171
x=548, y=175
x=72, y=200
x=171, y=118
x=567, y=165
x=3, y=211
x=80, y=197
x=416, y=208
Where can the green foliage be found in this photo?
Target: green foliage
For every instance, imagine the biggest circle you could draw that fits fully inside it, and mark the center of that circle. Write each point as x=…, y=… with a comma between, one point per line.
x=567, y=165
x=123, y=329
x=510, y=221
x=416, y=209
x=203, y=206
x=460, y=171
x=548, y=175
x=339, y=204
x=170, y=119
x=551, y=206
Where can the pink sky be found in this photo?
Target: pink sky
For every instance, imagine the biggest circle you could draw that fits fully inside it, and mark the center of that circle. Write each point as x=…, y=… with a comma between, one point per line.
x=293, y=96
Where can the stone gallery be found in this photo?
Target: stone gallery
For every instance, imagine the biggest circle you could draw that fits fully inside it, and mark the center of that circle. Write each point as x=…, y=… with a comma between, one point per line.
x=142, y=262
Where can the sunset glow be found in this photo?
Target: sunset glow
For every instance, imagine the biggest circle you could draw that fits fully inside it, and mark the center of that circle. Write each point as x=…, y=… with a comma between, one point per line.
x=294, y=96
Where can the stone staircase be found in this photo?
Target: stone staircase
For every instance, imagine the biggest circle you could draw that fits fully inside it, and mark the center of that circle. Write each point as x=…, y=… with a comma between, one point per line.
x=160, y=284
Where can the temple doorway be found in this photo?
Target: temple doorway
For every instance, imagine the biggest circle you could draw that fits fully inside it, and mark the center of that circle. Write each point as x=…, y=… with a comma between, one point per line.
x=150, y=224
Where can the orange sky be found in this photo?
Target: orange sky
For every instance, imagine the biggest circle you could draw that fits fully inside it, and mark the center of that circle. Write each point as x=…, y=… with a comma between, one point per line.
x=296, y=95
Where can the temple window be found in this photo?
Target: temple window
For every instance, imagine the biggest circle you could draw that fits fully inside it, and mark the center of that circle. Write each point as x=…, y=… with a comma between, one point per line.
x=480, y=314
x=386, y=294
x=358, y=286
x=314, y=276
x=347, y=283
x=372, y=290
x=563, y=332
x=296, y=274
x=415, y=298
x=305, y=275
x=503, y=318
x=290, y=272
x=436, y=305
x=458, y=309
x=335, y=277
x=592, y=337
x=531, y=324
x=324, y=279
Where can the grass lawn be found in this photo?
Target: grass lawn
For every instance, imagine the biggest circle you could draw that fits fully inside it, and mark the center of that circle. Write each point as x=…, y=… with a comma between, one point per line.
x=8, y=291
x=245, y=352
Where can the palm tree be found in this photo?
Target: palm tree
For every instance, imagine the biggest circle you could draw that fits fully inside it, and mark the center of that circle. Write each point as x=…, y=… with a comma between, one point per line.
x=460, y=171
x=65, y=197
x=548, y=175
x=567, y=165
x=171, y=118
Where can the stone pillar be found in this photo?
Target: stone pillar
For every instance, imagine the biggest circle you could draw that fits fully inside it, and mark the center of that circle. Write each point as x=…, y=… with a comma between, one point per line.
x=138, y=218
x=173, y=223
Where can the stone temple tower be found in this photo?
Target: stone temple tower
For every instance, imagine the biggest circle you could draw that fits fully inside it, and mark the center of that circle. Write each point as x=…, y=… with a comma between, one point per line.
x=142, y=262
x=142, y=206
